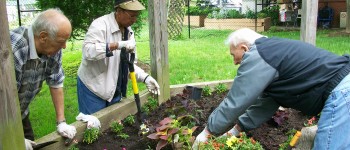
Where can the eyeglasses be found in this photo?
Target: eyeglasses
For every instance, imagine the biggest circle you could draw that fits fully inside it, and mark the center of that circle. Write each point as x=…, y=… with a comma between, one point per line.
x=131, y=17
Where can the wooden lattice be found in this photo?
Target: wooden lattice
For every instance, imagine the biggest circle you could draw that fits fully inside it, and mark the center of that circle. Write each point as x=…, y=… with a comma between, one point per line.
x=176, y=15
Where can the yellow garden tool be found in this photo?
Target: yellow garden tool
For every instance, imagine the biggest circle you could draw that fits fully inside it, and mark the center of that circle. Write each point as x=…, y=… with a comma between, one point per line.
x=141, y=116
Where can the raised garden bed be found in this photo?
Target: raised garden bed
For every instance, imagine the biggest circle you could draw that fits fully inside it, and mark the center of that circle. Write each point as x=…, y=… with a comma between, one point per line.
x=270, y=135
x=234, y=24
x=196, y=21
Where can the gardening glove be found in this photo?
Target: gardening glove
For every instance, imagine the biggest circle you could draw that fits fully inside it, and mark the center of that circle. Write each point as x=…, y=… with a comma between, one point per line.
x=201, y=138
x=29, y=144
x=129, y=45
x=232, y=132
x=66, y=130
x=152, y=85
x=92, y=121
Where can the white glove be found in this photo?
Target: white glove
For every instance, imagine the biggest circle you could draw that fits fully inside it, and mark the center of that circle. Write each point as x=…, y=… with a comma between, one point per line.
x=92, y=121
x=152, y=85
x=29, y=144
x=129, y=45
x=201, y=138
x=232, y=132
x=66, y=130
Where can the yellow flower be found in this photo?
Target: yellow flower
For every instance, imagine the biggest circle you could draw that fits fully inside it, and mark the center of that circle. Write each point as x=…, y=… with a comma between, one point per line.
x=230, y=141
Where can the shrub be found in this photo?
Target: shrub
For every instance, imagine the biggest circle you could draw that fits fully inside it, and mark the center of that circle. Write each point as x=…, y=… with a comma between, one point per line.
x=196, y=11
x=82, y=13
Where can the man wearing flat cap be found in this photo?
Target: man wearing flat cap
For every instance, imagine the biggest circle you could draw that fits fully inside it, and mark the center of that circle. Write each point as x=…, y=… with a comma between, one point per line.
x=103, y=72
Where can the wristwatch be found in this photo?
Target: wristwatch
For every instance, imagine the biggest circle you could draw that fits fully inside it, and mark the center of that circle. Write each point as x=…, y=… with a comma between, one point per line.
x=59, y=122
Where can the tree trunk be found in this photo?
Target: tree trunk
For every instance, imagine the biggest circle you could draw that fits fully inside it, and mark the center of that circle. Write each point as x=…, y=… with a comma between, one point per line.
x=11, y=131
x=347, y=16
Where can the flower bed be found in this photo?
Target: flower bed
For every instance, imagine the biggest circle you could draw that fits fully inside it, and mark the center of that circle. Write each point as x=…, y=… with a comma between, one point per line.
x=170, y=115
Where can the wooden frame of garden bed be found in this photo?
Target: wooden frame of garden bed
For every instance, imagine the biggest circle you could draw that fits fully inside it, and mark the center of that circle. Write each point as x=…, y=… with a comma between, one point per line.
x=122, y=109
x=234, y=24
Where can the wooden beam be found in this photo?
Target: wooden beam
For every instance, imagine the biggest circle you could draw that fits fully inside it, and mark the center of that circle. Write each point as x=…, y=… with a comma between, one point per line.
x=308, y=25
x=347, y=16
x=158, y=35
x=11, y=130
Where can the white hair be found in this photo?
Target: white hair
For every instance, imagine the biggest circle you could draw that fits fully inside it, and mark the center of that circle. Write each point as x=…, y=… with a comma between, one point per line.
x=243, y=35
x=45, y=21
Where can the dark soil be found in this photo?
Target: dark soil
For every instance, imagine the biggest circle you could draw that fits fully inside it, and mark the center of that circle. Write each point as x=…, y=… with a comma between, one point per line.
x=270, y=134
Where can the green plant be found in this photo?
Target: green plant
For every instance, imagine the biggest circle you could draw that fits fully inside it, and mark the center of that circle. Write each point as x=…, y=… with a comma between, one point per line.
x=91, y=135
x=197, y=11
x=175, y=132
x=129, y=120
x=206, y=91
x=272, y=12
x=285, y=145
x=221, y=88
x=117, y=127
x=231, y=143
x=250, y=14
x=123, y=135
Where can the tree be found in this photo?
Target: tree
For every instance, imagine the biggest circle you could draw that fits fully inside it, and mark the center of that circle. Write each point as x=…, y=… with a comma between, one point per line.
x=83, y=12
x=11, y=130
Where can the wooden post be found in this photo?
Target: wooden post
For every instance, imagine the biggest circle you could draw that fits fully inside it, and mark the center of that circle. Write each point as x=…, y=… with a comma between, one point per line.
x=347, y=16
x=308, y=25
x=158, y=35
x=11, y=130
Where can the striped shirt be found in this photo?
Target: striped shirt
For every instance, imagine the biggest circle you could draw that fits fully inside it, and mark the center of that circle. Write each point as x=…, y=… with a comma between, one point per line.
x=31, y=70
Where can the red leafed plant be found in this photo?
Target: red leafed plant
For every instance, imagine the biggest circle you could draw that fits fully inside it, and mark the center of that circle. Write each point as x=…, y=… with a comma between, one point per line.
x=175, y=132
x=280, y=116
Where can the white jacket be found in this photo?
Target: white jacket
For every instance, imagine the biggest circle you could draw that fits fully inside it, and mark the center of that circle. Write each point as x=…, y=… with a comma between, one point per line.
x=98, y=72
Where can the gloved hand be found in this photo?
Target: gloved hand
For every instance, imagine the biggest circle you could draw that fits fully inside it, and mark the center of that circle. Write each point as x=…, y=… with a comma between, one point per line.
x=92, y=121
x=231, y=132
x=201, y=138
x=129, y=45
x=152, y=85
x=29, y=144
x=66, y=130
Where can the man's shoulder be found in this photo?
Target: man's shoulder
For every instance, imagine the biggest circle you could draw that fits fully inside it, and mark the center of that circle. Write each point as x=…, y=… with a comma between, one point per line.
x=19, y=42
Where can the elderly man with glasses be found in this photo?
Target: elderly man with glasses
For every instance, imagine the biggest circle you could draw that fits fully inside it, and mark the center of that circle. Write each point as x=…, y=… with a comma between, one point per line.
x=103, y=72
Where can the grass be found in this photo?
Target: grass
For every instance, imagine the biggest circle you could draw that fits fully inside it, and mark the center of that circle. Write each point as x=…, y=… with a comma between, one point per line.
x=204, y=57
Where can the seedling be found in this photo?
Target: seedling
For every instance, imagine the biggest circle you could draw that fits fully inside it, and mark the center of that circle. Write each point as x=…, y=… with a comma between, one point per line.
x=91, y=135
x=221, y=88
x=206, y=91
x=290, y=134
x=129, y=120
x=123, y=135
x=117, y=127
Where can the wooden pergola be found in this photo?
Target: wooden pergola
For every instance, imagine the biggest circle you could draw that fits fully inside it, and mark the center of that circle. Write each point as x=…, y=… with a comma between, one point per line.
x=11, y=132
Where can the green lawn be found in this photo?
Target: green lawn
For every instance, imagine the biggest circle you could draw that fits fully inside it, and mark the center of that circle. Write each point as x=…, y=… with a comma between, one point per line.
x=204, y=57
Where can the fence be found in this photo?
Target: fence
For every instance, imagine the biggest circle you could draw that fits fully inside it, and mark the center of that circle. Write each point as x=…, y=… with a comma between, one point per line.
x=20, y=12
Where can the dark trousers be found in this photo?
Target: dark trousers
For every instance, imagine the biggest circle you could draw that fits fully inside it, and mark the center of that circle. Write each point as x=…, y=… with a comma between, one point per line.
x=27, y=128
